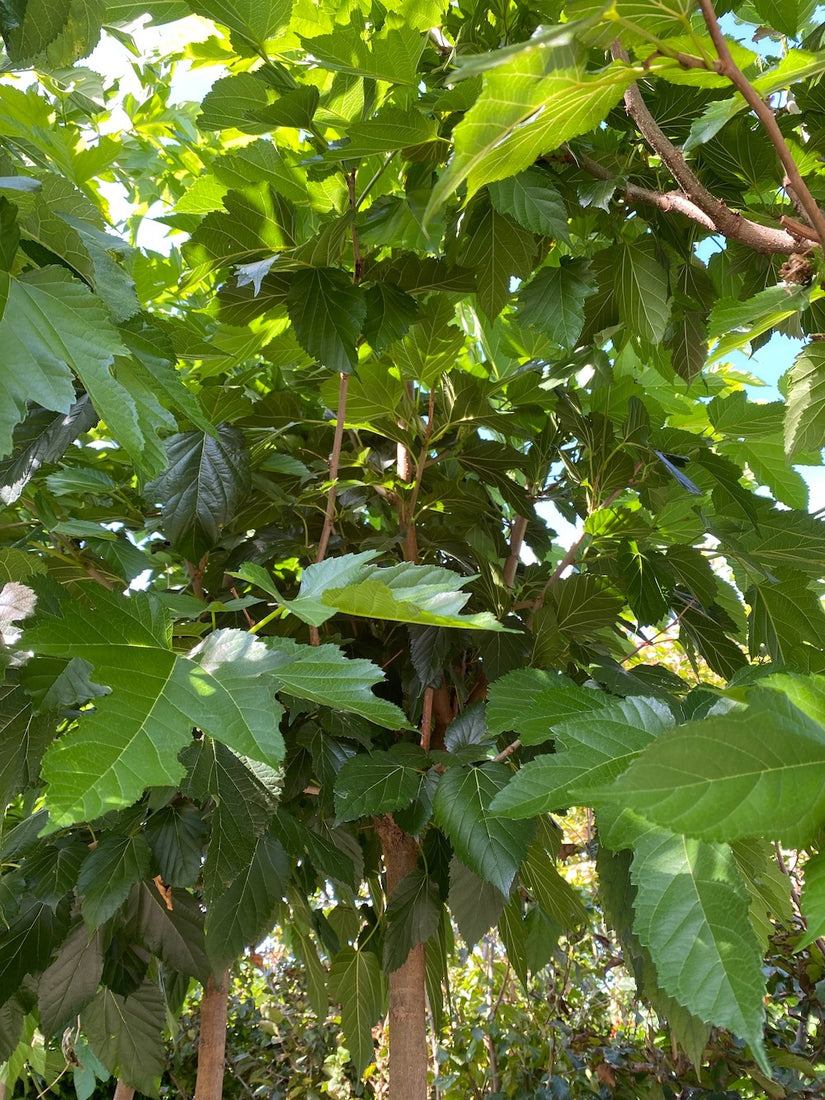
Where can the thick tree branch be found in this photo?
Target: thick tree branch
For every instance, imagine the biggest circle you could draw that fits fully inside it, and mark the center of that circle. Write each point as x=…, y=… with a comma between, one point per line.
x=726, y=66
x=516, y=541
x=697, y=202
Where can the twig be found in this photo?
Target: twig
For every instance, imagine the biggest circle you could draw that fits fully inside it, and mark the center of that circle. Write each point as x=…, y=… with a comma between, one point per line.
x=334, y=459
x=427, y=719
x=726, y=66
x=196, y=576
x=516, y=541
x=651, y=641
x=511, y=748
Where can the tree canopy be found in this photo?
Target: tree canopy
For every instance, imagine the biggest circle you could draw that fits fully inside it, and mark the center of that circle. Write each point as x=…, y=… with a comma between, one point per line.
x=283, y=603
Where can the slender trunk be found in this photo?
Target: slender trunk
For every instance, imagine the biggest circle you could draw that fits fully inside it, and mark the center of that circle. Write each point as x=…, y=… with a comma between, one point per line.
x=407, y=1017
x=212, y=1039
x=124, y=1091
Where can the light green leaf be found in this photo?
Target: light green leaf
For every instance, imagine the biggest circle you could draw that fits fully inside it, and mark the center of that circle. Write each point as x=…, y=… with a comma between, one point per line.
x=529, y=106
x=489, y=846
x=750, y=772
x=530, y=701
x=552, y=892
x=531, y=200
x=357, y=982
x=413, y=917
x=133, y=738
x=392, y=55
x=386, y=131
x=126, y=1033
x=692, y=914
x=58, y=31
x=245, y=913
x=324, y=675
x=590, y=751
x=432, y=345
x=783, y=615
x=553, y=301
x=327, y=311
x=813, y=899
x=52, y=326
x=249, y=21
x=378, y=782
x=250, y=227
x=641, y=288
x=805, y=416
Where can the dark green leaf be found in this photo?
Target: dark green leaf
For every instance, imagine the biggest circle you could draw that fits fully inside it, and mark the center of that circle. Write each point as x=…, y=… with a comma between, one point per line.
x=67, y=986
x=244, y=914
x=108, y=875
x=126, y=1033
x=413, y=916
x=357, y=983
x=378, y=782
x=327, y=311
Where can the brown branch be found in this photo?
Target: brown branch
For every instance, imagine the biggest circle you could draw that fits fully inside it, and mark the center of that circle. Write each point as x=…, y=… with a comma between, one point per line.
x=696, y=200
x=726, y=66
x=334, y=459
x=516, y=542
x=511, y=748
x=427, y=719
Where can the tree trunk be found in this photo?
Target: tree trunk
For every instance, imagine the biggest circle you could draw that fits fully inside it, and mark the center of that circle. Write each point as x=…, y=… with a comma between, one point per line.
x=212, y=1039
x=407, y=1017
x=124, y=1091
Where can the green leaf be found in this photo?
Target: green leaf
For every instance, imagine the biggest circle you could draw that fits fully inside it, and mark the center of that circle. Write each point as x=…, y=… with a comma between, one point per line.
x=432, y=345
x=529, y=106
x=53, y=325
x=108, y=875
x=805, y=415
x=386, y=131
x=553, y=301
x=475, y=904
x=242, y=811
x=413, y=917
x=692, y=913
x=327, y=311
x=59, y=31
x=530, y=701
x=392, y=55
x=583, y=604
x=175, y=935
x=250, y=22
x=42, y=438
x=245, y=913
x=390, y=312
x=133, y=738
x=378, y=782
x=322, y=674
x=202, y=487
x=641, y=288
x=24, y=736
x=813, y=900
x=489, y=846
x=498, y=249
x=230, y=105
x=550, y=890
x=784, y=615
x=357, y=982
x=27, y=943
x=731, y=776
x=126, y=1034
x=533, y=202
x=251, y=227
x=71, y=981
x=590, y=751
x=176, y=834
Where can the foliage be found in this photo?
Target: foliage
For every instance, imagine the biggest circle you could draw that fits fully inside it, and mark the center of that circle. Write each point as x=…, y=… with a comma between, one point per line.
x=268, y=500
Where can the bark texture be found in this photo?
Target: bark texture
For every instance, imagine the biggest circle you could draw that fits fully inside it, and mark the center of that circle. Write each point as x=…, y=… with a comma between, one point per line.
x=212, y=1039
x=407, y=1017
x=124, y=1091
